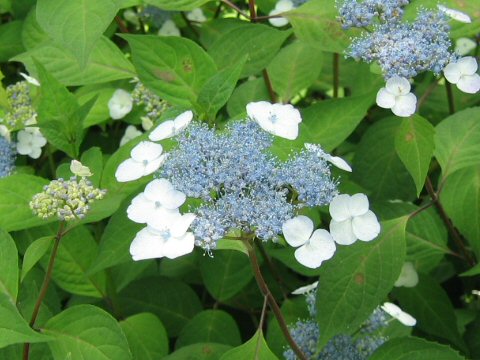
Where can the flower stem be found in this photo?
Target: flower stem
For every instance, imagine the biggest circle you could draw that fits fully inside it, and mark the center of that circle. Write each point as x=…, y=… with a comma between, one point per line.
x=451, y=100
x=336, y=74
x=46, y=282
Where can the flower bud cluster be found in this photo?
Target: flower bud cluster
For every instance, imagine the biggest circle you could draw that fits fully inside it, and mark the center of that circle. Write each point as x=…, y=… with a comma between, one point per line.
x=67, y=199
x=20, y=102
x=154, y=106
x=7, y=157
x=362, y=14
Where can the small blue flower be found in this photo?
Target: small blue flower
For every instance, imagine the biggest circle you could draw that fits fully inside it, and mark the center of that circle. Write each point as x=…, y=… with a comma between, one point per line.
x=7, y=157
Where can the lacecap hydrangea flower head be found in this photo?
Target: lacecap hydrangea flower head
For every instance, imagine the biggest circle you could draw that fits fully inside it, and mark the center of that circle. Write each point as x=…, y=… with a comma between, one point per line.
x=237, y=184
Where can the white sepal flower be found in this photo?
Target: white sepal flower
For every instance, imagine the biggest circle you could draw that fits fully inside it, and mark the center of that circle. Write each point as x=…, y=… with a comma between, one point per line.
x=4, y=132
x=150, y=243
x=408, y=276
x=169, y=28
x=455, y=14
x=30, y=142
x=277, y=119
x=147, y=123
x=171, y=128
x=131, y=132
x=397, y=313
x=464, y=45
x=280, y=7
x=463, y=73
x=314, y=247
x=30, y=79
x=146, y=158
x=335, y=160
x=120, y=104
x=196, y=15
x=78, y=169
x=352, y=220
x=305, y=289
x=396, y=95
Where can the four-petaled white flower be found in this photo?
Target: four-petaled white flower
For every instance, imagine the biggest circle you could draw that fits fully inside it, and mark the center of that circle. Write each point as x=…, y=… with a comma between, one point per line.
x=455, y=14
x=120, y=104
x=78, y=169
x=408, y=276
x=146, y=158
x=130, y=133
x=280, y=7
x=169, y=28
x=464, y=45
x=196, y=15
x=30, y=79
x=4, y=132
x=171, y=128
x=277, y=119
x=352, y=220
x=397, y=313
x=305, y=289
x=463, y=73
x=313, y=246
x=30, y=142
x=396, y=95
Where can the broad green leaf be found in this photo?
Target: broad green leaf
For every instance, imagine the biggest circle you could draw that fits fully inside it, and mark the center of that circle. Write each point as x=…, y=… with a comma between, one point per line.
x=183, y=5
x=212, y=30
x=106, y=63
x=412, y=348
x=17, y=191
x=316, y=22
x=414, y=145
x=174, y=302
x=10, y=40
x=210, y=326
x=34, y=253
x=359, y=278
x=13, y=327
x=472, y=339
x=259, y=42
x=472, y=272
x=295, y=67
x=175, y=68
x=226, y=274
x=93, y=158
x=226, y=244
x=86, y=332
x=207, y=351
x=330, y=122
x=456, y=141
x=429, y=304
x=377, y=167
x=87, y=21
x=460, y=197
x=99, y=112
x=146, y=336
x=252, y=90
x=32, y=34
x=256, y=349
x=8, y=266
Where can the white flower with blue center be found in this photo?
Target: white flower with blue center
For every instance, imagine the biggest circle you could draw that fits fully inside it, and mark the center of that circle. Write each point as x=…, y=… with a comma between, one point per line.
x=352, y=219
x=396, y=95
x=30, y=142
x=464, y=45
x=169, y=28
x=463, y=73
x=120, y=104
x=130, y=133
x=314, y=247
x=280, y=7
x=397, y=313
x=171, y=128
x=277, y=119
x=408, y=276
x=78, y=169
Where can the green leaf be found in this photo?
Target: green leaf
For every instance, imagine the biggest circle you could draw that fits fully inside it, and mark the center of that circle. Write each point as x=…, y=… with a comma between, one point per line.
x=210, y=326
x=358, y=278
x=34, y=253
x=414, y=145
x=217, y=90
x=174, y=302
x=93, y=158
x=429, y=304
x=87, y=21
x=99, y=112
x=330, y=122
x=412, y=348
x=225, y=274
x=377, y=167
x=456, y=141
x=259, y=42
x=175, y=68
x=472, y=272
x=17, y=191
x=106, y=63
x=460, y=197
x=227, y=244
x=251, y=90
x=179, y=5
x=10, y=40
x=295, y=67
x=13, y=327
x=209, y=351
x=146, y=336
x=87, y=332
x=8, y=266
x=256, y=349
x=32, y=33
x=315, y=22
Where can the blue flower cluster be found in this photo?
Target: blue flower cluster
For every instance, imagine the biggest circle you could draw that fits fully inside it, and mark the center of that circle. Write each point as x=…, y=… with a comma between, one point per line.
x=241, y=185
x=362, y=14
x=7, y=157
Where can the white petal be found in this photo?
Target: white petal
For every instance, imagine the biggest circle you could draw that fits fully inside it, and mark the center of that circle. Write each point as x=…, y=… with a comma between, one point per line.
x=163, y=131
x=162, y=190
x=129, y=170
x=182, y=121
x=455, y=14
x=35, y=152
x=305, y=289
x=24, y=136
x=297, y=230
x=278, y=21
x=452, y=73
x=130, y=133
x=147, y=124
x=153, y=165
x=169, y=28
x=24, y=148
x=78, y=169
x=146, y=245
x=405, y=105
x=30, y=79
x=284, y=5
x=464, y=45
x=178, y=246
x=181, y=225
x=163, y=219
x=339, y=207
x=397, y=85
x=196, y=15
x=286, y=113
x=146, y=150
x=287, y=131
x=120, y=104
x=319, y=248
x=342, y=232
x=397, y=313
x=467, y=65
x=38, y=140
x=469, y=84
x=339, y=163
x=358, y=204
x=366, y=227
x=260, y=112
x=385, y=99
x=408, y=276
x=140, y=209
